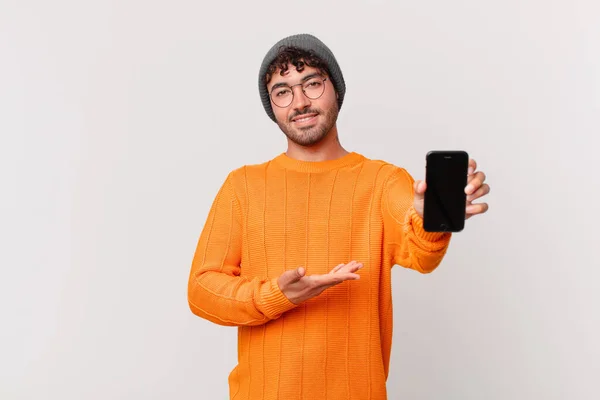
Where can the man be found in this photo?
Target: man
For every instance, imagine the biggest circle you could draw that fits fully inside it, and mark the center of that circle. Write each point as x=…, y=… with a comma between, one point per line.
x=297, y=252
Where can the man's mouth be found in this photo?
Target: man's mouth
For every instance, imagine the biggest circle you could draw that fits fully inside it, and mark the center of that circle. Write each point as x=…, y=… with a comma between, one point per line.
x=304, y=118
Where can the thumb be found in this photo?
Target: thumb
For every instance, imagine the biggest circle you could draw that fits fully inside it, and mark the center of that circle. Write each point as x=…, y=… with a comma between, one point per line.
x=420, y=187
x=295, y=275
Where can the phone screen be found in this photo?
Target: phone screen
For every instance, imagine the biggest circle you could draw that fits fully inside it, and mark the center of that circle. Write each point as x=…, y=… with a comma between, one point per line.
x=445, y=198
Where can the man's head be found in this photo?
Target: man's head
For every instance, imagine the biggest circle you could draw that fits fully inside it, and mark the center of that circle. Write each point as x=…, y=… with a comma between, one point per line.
x=302, y=88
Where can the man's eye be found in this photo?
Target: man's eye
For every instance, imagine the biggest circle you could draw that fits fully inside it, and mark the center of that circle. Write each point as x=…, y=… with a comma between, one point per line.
x=282, y=92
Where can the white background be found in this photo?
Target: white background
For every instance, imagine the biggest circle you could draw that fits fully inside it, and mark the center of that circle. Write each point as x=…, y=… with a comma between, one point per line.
x=119, y=120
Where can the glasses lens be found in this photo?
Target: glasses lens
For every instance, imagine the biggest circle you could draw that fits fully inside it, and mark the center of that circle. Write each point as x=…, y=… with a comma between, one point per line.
x=314, y=88
x=282, y=96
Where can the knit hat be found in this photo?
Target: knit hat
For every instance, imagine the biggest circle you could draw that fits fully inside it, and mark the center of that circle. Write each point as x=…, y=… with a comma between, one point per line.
x=305, y=42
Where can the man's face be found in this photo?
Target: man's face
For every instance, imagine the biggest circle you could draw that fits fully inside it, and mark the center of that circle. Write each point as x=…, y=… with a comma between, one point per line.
x=305, y=121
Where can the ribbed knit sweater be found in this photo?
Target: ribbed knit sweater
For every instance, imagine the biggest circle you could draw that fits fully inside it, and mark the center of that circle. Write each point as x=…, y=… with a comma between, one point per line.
x=287, y=213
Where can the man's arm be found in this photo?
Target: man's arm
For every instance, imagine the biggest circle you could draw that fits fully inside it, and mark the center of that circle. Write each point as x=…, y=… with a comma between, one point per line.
x=404, y=237
x=216, y=291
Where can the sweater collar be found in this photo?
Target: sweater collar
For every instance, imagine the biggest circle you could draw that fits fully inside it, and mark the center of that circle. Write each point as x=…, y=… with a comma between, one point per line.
x=350, y=159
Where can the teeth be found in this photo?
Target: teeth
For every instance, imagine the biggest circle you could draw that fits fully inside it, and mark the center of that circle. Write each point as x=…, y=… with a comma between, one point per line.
x=303, y=119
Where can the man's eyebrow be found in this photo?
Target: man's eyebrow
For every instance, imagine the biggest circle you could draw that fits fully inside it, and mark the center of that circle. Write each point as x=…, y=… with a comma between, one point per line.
x=310, y=76
x=304, y=79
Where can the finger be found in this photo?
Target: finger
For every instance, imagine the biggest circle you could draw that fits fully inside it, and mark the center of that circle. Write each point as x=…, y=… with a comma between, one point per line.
x=351, y=264
x=472, y=166
x=336, y=268
x=341, y=277
x=298, y=274
x=475, y=209
x=482, y=191
x=330, y=280
x=475, y=182
x=351, y=276
x=355, y=267
x=292, y=275
x=420, y=187
x=352, y=268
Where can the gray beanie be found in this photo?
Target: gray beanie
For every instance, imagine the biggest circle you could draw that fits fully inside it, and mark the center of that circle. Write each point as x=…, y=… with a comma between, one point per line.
x=305, y=42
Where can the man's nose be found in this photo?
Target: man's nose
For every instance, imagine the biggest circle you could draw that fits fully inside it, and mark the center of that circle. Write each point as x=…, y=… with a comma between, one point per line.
x=300, y=101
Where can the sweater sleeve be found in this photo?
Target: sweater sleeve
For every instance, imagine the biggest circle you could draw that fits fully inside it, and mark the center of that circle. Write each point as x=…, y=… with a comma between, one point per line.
x=405, y=239
x=216, y=290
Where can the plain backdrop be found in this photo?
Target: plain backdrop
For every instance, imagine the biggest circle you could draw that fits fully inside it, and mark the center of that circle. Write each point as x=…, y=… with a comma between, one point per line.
x=119, y=120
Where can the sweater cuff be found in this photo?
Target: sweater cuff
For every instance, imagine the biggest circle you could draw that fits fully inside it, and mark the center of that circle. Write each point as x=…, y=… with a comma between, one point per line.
x=273, y=302
x=417, y=225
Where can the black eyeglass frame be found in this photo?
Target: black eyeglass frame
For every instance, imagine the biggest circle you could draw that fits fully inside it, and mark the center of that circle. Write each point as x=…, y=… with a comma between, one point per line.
x=293, y=94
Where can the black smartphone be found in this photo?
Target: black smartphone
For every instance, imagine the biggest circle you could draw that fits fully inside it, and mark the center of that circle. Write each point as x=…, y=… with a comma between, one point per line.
x=445, y=197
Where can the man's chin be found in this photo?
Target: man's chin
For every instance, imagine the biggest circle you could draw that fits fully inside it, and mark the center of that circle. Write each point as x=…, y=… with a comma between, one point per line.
x=306, y=140
x=305, y=136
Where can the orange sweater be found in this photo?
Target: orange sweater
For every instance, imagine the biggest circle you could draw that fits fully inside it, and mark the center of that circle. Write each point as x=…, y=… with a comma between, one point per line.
x=288, y=213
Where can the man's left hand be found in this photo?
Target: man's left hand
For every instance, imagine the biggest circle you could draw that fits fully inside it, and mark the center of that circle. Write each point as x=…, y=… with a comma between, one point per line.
x=475, y=189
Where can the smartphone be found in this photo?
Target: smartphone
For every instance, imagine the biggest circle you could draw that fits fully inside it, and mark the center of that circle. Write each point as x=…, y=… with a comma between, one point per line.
x=445, y=197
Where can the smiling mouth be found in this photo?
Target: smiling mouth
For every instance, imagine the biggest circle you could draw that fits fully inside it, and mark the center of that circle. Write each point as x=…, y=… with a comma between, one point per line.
x=304, y=118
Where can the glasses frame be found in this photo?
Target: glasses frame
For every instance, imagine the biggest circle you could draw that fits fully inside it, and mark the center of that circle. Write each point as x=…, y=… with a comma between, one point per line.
x=293, y=94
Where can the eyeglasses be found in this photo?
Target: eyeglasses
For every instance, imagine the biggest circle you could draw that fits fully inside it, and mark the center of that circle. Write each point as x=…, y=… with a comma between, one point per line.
x=283, y=95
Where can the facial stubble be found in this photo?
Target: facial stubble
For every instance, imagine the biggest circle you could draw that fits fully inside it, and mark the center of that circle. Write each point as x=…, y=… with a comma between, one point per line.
x=311, y=135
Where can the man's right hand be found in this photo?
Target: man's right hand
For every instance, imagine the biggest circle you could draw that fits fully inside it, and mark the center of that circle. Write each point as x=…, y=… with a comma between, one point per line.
x=298, y=288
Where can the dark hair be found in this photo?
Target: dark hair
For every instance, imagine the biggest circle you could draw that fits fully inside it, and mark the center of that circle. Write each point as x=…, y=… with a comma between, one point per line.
x=296, y=57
